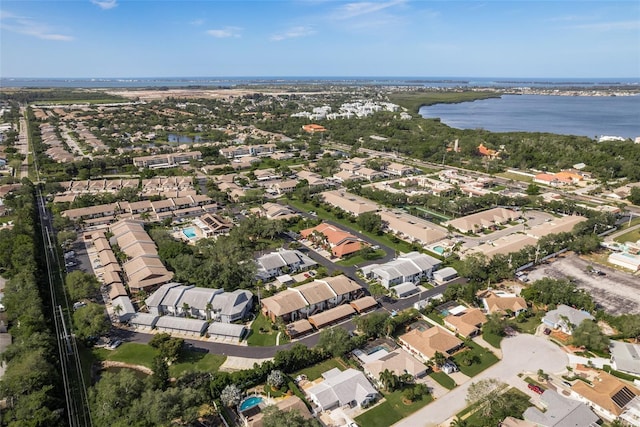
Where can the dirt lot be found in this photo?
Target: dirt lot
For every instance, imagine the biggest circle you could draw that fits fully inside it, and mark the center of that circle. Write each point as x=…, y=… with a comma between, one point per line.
x=617, y=292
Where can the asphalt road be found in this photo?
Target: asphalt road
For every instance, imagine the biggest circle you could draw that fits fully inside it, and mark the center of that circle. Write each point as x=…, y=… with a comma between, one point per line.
x=521, y=353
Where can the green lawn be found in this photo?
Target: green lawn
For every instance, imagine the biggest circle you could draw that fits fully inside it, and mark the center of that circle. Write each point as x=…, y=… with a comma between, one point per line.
x=515, y=176
x=631, y=236
x=314, y=372
x=492, y=339
x=197, y=361
x=359, y=259
x=135, y=354
x=530, y=325
x=443, y=379
x=485, y=358
x=392, y=410
x=258, y=338
x=436, y=318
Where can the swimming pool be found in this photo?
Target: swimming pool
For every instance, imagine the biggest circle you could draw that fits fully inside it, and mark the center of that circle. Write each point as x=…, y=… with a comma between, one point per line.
x=190, y=232
x=438, y=249
x=250, y=402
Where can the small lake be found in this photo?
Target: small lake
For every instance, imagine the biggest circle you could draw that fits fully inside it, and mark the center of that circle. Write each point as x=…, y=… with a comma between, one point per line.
x=590, y=116
x=183, y=139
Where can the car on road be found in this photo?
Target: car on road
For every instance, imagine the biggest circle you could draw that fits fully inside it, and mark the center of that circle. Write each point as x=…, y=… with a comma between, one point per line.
x=535, y=388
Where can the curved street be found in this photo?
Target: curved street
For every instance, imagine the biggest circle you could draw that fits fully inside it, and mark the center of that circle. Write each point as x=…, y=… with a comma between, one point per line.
x=521, y=353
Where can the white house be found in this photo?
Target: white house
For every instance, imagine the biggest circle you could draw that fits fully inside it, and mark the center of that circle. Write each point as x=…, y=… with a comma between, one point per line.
x=411, y=267
x=565, y=318
x=340, y=388
x=275, y=264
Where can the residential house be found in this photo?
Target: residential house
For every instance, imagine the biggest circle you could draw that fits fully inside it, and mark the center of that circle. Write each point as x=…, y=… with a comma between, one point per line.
x=313, y=128
x=341, y=388
x=565, y=318
x=561, y=412
x=551, y=180
x=340, y=243
x=212, y=225
x=399, y=362
x=283, y=261
x=232, y=306
x=483, y=220
x=398, y=169
x=166, y=160
x=424, y=340
x=466, y=322
x=411, y=267
x=275, y=211
x=285, y=186
x=607, y=395
x=311, y=298
x=355, y=205
x=625, y=357
x=444, y=275
x=411, y=228
x=315, y=180
x=503, y=303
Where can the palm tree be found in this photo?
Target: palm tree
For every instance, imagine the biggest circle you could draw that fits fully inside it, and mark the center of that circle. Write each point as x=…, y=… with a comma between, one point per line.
x=389, y=380
x=185, y=309
x=117, y=310
x=458, y=422
x=209, y=307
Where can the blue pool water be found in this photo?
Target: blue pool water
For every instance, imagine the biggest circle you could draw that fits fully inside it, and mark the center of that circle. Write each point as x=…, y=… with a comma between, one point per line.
x=250, y=402
x=189, y=232
x=438, y=249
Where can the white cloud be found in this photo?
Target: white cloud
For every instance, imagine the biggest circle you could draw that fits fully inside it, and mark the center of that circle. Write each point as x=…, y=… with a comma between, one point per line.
x=197, y=22
x=609, y=26
x=293, y=33
x=352, y=10
x=29, y=27
x=105, y=4
x=226, y=32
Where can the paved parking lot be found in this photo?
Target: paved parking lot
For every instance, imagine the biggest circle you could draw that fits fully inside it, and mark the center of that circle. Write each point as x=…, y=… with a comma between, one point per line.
x=617, y=292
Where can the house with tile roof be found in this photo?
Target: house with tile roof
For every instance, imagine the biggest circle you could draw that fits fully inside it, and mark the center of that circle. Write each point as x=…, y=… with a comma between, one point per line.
x=467, y=323
x=607, y=395
x=311, y=298
x=424, y=340
x=277, y=263
x=339, y=242
x=483, y=220
x=349, y=202
x=503, y=303
x=398, y=361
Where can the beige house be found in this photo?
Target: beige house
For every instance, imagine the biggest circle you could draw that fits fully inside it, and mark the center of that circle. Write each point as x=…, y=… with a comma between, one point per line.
x=399, y=362
x=411, y=228
x=424, y=341
x=467, y=323
x=348, y=202
x=483, y=220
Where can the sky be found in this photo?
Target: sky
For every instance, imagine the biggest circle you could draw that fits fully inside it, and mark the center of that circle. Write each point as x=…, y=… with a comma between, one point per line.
x=169, y=38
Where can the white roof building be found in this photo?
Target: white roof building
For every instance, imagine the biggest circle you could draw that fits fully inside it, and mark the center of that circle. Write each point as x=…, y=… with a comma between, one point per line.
x=411, y=267
x=339, y=388
x=625, y=357
x=565, y=318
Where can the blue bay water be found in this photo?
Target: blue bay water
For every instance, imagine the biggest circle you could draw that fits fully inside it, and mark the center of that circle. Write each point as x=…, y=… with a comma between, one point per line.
x=591, y=116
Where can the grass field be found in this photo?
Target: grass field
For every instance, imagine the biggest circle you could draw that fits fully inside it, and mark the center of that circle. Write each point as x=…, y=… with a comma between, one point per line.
x=492, y=339
x=257, y=338
x=358, y=259
x=443, y=379
x=132, y=353
x=314, y=372
x=515, y=176
x=196, y=361
x=484, y=359
x=392, y=410
x=630, y=236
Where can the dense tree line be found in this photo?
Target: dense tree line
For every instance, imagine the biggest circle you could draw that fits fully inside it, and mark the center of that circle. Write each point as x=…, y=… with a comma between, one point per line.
x=59, y=94
x=31, y=384
x=225, y=262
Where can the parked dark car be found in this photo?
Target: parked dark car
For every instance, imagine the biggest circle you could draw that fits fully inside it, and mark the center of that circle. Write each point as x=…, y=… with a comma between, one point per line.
x=546, y=331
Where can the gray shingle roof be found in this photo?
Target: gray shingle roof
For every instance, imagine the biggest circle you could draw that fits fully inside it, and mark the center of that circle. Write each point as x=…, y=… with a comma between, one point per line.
x=182, y=324
x=561, y=412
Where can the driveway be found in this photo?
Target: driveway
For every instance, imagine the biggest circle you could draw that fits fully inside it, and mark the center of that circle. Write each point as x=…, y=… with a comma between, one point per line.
x=617, y=292
x=522, y=353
